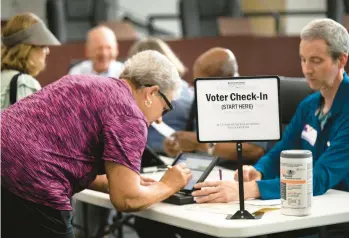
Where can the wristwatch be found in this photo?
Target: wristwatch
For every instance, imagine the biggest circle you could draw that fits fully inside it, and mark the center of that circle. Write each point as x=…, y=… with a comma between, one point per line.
x=210, y=148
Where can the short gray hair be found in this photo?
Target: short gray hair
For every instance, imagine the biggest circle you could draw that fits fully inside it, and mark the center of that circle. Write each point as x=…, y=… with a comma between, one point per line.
x=333, y=33
x=150, y=67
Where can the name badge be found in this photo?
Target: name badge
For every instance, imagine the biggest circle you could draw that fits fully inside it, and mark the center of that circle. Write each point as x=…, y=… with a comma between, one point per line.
x=309, y=134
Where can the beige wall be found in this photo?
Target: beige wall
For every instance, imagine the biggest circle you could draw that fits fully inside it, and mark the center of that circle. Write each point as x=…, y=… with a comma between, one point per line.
x=9, y=8
x=264, y=25
x=294, y=24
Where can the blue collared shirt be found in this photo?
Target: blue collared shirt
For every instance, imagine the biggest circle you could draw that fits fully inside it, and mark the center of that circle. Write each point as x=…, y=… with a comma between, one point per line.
x=177, y=118
x=330, y=151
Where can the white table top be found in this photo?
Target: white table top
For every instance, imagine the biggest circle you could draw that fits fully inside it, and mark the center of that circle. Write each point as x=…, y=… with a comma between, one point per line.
x=330, y=208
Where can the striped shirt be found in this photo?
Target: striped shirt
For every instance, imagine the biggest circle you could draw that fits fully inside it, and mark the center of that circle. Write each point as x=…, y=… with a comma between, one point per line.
x=49, y=138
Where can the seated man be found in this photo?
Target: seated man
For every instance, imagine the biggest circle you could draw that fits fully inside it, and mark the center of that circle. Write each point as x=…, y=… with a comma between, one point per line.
x=216, y=62
x=323, y=51
x=101, y=51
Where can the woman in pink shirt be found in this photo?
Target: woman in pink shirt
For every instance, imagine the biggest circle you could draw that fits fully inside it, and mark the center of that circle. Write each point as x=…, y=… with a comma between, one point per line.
x=51, y=146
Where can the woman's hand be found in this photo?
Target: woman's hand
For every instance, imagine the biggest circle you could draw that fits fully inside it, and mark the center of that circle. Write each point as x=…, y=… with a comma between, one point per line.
x=131, y=192
x=176, y=177
x=216, y=192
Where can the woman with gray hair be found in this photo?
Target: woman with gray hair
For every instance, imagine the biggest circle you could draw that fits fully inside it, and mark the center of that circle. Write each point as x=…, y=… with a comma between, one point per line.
x=64, y=153
x=177, y=118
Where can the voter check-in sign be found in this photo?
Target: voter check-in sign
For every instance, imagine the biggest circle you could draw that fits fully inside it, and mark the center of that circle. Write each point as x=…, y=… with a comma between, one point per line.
x=238, y=109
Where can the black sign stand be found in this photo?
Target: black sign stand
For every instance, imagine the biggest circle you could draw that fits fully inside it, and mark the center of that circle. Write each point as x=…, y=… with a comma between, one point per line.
x=242, y=213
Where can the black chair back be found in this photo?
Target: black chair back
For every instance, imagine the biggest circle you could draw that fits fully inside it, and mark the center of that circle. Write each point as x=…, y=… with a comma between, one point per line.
x=292, y=92
x=70, y=20
x=199, y=17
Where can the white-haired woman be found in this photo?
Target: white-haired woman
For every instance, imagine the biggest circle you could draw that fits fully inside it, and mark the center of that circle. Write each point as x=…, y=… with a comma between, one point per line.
x=61, y=154
x=178, y=118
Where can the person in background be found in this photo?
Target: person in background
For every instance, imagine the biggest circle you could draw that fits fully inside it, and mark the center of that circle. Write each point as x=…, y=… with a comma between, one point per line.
x=25, y=40
x=216, y=62
x=101, y=50
x=323, y=51
x=179, y=116
x=43, y=166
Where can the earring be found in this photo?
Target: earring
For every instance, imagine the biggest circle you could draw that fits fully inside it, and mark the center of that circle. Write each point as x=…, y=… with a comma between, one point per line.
x=148, y=103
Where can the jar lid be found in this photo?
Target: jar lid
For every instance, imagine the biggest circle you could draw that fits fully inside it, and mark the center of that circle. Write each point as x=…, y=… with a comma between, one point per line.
x=296, y=154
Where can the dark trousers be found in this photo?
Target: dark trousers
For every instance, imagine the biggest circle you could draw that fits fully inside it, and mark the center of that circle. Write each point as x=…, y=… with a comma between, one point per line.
x=96, y=219
x=22, y=218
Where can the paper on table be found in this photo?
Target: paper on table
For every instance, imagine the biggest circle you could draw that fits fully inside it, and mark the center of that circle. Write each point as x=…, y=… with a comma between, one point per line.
x=227, y=174
x=258, y=202
x=167, y=160
x=163, y=129
x=219, y=208
x=227, y=208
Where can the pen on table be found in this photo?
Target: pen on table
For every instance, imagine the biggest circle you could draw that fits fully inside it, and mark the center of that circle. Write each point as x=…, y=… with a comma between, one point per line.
x=220, y=174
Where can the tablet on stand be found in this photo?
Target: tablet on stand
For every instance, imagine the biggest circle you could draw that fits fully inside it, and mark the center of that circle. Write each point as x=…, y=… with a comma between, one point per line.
x=200, y=165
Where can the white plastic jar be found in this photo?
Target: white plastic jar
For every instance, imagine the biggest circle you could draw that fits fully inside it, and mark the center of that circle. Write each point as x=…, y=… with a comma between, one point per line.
x=296, y=182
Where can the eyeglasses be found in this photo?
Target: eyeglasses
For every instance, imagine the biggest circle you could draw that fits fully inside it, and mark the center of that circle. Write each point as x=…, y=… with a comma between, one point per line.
x=169, y=105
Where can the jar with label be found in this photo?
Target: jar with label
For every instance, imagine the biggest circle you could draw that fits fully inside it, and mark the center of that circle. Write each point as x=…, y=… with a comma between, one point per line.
x=296, y=182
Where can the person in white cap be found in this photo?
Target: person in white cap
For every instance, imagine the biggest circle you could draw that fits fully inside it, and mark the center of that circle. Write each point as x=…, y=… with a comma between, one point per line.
x=25, y=40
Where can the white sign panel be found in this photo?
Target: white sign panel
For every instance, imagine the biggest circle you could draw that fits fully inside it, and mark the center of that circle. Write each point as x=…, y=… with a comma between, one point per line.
x=238, y=109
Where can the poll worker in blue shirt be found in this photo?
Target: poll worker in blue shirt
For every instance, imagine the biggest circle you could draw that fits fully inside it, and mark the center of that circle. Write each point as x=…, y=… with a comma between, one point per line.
x=323, y=52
